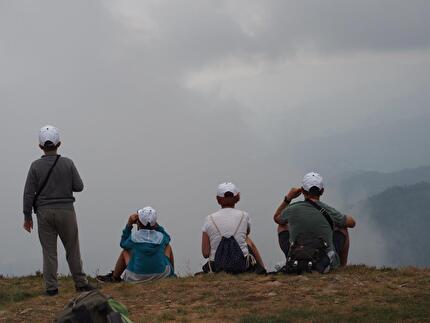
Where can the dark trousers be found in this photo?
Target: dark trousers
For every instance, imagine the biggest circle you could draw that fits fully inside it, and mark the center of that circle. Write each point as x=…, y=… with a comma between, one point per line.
x=284, y=242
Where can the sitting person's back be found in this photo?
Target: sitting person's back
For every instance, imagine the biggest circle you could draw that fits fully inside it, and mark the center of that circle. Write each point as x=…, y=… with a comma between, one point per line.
x=147, y=253
x=147, y=246
x=304, y=218
x=225, y=239
x=225, y=223
x=316, y=220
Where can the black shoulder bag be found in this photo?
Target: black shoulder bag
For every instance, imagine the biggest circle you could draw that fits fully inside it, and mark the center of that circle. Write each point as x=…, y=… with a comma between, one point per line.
x=36, y=196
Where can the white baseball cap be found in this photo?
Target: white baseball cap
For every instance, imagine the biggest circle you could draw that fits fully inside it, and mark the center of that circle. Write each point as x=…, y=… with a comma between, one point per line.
x=147, y=215
x=49, y=133
x=312, y=179
x=226, y=187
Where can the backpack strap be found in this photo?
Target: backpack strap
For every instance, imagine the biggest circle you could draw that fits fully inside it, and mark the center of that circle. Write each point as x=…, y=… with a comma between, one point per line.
x=250, y=261
x=322, y=211
x=240, y=222
x=211, y=271
x=237, y=228
x=216, y=227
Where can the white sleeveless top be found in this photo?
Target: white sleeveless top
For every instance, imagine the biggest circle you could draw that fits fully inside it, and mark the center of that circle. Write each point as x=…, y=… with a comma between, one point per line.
x=227, y=221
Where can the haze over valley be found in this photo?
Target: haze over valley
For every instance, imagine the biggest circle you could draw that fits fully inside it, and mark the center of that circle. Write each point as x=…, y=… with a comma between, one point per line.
x=158, y=102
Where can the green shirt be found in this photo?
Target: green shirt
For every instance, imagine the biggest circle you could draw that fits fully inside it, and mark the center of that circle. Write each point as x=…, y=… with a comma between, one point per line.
x=303, y=217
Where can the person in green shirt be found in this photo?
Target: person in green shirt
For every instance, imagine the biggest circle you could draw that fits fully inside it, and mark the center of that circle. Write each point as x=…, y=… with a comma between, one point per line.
x=302, y=217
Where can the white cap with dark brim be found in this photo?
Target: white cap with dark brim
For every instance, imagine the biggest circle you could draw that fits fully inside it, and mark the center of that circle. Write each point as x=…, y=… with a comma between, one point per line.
x=49, y=134
x=227, y=187
x=312, y=179
x=147, y=215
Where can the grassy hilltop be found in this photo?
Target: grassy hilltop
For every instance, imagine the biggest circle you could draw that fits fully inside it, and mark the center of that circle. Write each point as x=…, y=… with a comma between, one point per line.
x=353, y=294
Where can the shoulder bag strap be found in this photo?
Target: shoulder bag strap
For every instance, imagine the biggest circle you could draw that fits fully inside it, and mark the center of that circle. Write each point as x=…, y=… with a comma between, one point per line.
x=323, y=212
x=45, y=180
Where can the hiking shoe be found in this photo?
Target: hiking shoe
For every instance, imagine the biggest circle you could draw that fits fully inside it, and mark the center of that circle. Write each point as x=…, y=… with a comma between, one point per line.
x=109, y=278
x=85, y=288
x=52, y=292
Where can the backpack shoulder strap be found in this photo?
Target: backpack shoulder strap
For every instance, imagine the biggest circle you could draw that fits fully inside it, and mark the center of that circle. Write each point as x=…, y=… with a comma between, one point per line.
x=216, y=227
x=240, y=222
x=237, y=228
x=322, y=211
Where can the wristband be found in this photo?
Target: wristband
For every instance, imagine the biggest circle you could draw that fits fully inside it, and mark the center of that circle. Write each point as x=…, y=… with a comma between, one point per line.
x=286, y=200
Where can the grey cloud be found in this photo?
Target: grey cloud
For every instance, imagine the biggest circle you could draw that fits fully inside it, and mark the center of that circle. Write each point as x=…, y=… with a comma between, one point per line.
x=332, y=26
x=140, y=136
x=137, y=136
x=205, y=32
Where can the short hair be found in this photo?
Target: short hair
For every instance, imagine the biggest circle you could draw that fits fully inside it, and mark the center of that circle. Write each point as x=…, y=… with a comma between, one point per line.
x=314, y=191
x=228, y=194
x=49, y=146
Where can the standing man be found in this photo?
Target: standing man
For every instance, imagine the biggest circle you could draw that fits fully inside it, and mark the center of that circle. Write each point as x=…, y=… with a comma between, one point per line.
x=305, y=217
x=48, y=191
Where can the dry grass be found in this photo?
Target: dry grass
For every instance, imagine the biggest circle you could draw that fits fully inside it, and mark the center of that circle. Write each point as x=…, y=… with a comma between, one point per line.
x=356, y=293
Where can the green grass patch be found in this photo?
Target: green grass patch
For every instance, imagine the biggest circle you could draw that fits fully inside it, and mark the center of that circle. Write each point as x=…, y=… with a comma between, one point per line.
x=14, y=295
x=14, y=290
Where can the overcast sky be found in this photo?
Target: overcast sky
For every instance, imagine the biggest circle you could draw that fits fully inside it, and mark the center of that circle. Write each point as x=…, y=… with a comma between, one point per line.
x=159, y=101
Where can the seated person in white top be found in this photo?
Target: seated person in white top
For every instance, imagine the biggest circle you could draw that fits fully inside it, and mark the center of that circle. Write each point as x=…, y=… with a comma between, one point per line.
x=229, y=222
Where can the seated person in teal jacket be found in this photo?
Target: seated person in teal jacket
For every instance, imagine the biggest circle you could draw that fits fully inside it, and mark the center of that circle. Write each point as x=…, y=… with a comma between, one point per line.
x=147, y=254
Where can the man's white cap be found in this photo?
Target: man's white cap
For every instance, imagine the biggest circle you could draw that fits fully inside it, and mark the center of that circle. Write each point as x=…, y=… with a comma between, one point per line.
x=227, y=187
x=147, y=215
x=49, y=133
x=312, y=179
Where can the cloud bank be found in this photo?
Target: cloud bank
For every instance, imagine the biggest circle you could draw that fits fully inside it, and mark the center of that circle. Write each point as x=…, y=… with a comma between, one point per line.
x=159, y=101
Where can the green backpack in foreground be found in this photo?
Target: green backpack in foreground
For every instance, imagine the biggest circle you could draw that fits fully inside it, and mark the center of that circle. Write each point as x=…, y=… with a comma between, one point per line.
x=93, y=307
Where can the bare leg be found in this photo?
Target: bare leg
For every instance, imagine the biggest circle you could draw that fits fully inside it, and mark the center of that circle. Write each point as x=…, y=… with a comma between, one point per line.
x=121, y=263
x=169, y=254
x=255, y=251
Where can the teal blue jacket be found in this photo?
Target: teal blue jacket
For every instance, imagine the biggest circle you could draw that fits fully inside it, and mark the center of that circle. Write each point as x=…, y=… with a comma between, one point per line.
x=147, y=250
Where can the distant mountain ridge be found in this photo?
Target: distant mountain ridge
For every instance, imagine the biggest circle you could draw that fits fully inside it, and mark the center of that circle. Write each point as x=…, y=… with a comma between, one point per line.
x=402, y=216
x=386, y=146
x=393, y=215
x=362, y=185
